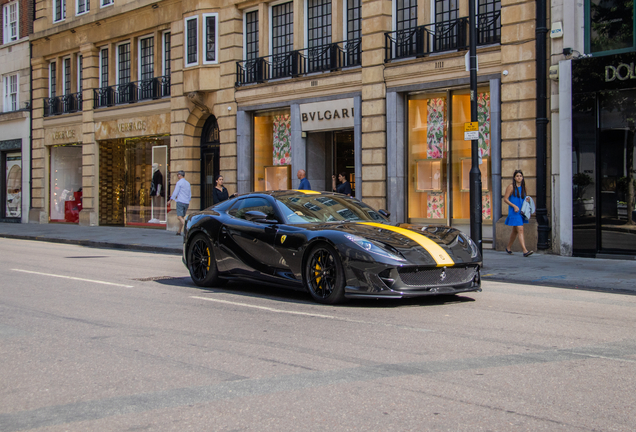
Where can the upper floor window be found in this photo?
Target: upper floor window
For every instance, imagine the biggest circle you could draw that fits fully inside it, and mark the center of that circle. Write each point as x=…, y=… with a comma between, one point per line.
x=147, y=59
x=609, y=26
x=166, y=54
x=52, y=80
x=211, y=36
x=11, y=93
x=103, y=67
x=318, y=23
x=446, y=10
x=11, y=22
x=80, y=72
x=251, y=35
x=106, y=2
x=282, y=24
x=67, y=76
x=192, y=41
x=353, y=28
x=123, y=64
x=406, y=14
x=59, y=10
x=82, y=6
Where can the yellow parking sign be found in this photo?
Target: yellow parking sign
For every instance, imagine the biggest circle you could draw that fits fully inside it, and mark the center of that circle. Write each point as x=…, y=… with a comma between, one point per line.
x=471, y=127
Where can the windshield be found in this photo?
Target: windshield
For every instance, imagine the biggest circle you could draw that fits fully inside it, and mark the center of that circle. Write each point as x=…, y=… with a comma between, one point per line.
x=311, y=208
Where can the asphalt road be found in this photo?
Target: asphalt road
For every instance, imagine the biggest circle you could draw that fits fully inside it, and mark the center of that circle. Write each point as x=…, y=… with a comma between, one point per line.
x=108, y=340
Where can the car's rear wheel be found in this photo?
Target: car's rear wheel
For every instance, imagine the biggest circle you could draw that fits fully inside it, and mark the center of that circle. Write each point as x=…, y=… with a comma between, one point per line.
x=202, y=264
x=324, y=275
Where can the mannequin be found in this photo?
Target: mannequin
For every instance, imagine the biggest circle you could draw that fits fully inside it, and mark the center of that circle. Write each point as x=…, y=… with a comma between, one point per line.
x=158, y=194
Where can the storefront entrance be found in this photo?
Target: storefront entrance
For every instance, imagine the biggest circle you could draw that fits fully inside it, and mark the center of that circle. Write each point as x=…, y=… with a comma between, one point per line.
x=210, y=154
x=328, y=154
x=134, y=181
x=603, y=157
x=11, y=189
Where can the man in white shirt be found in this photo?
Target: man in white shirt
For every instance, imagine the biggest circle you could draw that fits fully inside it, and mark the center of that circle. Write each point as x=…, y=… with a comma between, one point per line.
x=181, y=196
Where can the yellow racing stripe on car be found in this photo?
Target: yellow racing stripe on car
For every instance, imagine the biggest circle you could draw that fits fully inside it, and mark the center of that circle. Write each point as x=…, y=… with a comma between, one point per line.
x=307, y=192
x=440, y=256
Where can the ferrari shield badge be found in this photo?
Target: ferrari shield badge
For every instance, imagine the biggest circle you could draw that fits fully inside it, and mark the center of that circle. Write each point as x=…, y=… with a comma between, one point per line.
x=282, y=239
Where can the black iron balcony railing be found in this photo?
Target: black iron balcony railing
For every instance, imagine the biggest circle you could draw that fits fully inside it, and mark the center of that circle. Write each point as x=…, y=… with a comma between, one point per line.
x=132, y=92
x=444, y=36
x=65, y=104
x=323, y=58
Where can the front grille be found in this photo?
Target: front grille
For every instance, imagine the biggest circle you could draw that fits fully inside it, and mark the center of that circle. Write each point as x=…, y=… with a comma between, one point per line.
x=435, y=277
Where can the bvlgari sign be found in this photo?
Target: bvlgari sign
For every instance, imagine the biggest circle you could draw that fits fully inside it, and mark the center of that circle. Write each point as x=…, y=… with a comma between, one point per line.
x=329, y=115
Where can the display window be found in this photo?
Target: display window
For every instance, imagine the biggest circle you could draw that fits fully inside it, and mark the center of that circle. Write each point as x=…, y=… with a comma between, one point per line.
x=439, y=160
x=134, y=181
x=66, y=183
x=272, y=150
x=13, y=183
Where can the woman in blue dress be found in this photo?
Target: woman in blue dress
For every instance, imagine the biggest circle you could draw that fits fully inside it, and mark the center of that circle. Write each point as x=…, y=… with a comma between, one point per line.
x=514, y=197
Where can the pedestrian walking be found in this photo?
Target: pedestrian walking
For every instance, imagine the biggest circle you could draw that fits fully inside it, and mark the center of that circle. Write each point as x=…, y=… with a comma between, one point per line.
x=344, y=187
x=181, y=196
x=220, y=193
x=515, y=196
x=304, y=183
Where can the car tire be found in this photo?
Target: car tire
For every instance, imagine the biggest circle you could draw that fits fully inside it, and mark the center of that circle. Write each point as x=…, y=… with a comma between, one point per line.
x=324, y=275
x=201, y=262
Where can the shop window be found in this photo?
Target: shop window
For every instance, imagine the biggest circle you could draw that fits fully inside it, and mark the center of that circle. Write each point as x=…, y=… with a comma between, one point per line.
x=192, y=41
x=82, y=7
x=438, y=168
x=11, y=29
x=59, y=10
x=13, y=183
x=11, y=102
x=272, y=151
x=251, y=35
x=211, y=36
x=609, y=26
x=66, y=183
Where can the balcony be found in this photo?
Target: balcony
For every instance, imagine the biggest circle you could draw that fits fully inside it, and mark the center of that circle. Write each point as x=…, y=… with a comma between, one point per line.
x=439, y=37
x=57, y=105
x=132, y=92
x=325, y=58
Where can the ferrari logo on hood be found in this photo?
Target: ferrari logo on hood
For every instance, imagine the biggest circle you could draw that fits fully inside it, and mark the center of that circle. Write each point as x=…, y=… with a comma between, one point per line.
x=282, y=239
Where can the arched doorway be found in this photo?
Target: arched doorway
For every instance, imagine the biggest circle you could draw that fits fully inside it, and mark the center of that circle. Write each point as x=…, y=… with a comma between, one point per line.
x=210, y=152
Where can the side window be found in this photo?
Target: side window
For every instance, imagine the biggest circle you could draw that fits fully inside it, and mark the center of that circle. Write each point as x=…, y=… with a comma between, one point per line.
x=239, y=209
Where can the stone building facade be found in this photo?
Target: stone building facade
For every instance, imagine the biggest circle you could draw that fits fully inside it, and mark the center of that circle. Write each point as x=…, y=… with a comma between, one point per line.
x=377, y=90
x=15, y=126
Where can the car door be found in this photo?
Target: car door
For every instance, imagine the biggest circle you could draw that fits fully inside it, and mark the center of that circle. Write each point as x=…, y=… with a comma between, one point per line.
x=250, y=245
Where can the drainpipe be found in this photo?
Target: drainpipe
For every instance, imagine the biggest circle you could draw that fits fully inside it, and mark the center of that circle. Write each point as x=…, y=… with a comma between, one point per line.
x=30, y=129
x=543, y=234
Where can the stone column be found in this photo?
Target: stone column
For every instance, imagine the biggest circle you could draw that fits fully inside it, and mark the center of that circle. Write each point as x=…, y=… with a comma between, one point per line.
x=376, y=20
x=39, y=157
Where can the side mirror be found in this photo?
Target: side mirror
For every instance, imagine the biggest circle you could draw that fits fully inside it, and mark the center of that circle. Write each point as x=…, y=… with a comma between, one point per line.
x=384, y=213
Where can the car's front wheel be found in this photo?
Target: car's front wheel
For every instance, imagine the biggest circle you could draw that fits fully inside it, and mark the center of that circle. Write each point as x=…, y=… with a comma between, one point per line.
x=202, y=264
x=324, y=275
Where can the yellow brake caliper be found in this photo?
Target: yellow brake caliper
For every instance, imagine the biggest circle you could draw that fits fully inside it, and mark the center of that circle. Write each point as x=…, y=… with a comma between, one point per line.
x=317, y=271
x=209, y=258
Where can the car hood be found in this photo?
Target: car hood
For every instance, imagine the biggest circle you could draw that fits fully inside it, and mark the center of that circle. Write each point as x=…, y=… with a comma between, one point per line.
x=434, y=244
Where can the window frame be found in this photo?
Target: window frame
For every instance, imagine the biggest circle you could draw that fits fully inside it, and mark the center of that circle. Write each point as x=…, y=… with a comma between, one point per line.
x=67, y=72
x=87, y=7
x=80, y=73
x=588, y=34
x=345, y=20
x=323, y=38
x=139, y=55
x=245, y=42
x=103, y=84
x=167, y=35
x=6, y=14
x=270, y=24
x=185, y=40
x=204, y=29
x=117, y=60
x=52, y=79
x=62, y=12
x=7, y=94
x=105, y=3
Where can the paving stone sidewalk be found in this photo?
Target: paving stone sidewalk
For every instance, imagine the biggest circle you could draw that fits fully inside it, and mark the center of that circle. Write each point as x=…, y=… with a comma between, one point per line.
x=607, y=275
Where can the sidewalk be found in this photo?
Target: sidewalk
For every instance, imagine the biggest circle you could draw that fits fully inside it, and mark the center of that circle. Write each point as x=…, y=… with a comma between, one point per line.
x=539, y=269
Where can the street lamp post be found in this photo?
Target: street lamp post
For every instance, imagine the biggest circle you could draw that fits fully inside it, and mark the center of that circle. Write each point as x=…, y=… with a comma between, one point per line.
x=475, y=173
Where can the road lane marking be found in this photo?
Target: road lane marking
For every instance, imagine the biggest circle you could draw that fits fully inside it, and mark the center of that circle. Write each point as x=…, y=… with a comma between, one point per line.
x=74, y=278
x=309, y=314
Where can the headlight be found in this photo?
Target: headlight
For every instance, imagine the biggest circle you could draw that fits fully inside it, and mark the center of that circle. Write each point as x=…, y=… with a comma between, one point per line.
x=371, y=247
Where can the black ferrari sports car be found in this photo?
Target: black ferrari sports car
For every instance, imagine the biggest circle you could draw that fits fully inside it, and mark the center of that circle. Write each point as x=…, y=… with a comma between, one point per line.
x=333, y=246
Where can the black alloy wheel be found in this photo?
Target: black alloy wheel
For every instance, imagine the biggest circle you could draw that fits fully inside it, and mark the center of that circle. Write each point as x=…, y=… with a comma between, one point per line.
x=324, y=276
x=201, y=263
